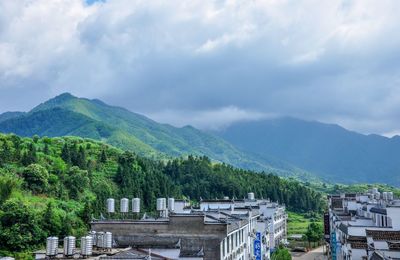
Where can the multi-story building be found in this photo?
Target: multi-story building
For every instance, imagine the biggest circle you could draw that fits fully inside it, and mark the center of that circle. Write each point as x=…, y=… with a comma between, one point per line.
x=364, y=226
x=216, y=229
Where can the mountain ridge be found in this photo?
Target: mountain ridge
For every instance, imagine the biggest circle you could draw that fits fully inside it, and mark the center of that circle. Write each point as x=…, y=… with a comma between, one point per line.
x=328, y=150
x=128, y=130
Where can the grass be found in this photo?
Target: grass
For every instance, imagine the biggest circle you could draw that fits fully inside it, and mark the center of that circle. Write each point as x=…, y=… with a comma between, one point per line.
x=298, y=223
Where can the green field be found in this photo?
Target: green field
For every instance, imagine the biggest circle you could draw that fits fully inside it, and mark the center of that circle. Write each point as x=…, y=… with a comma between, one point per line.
x=298, y=223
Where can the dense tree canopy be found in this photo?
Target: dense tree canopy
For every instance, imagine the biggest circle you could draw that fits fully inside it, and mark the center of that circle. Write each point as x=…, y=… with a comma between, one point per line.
x=54, y=186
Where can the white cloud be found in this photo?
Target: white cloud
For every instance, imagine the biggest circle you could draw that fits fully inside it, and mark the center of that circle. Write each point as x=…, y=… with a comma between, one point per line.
x=308, y=58
x=208, y=119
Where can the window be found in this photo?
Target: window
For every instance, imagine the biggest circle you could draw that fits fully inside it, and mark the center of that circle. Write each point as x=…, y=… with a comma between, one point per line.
x=236, y=239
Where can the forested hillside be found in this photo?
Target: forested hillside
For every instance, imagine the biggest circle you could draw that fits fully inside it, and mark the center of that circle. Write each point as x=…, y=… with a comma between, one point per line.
x=72, y=116
x=54, y=186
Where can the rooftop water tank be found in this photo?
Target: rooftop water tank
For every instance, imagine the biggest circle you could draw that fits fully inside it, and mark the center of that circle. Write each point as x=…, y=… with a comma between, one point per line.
x=108, y=240
x=69, y=246
x=110, y=205
x=52, y=246
x=390, y=195
x=377, y=195
x=124, y=205
x=161, y=204
x=94, y=237
x=171, y=204
x=100, y=239
x=86, y=246
x=384, y=195
x=250, y=196
x=135, y=205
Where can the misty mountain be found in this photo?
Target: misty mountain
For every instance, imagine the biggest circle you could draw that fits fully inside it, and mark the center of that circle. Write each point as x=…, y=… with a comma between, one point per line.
x=328, y=150
x=66, y=115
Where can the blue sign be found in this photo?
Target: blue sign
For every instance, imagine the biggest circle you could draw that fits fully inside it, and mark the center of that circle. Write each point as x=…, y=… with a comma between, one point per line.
x=257, y=249
x=333, y=245
x=257, y=246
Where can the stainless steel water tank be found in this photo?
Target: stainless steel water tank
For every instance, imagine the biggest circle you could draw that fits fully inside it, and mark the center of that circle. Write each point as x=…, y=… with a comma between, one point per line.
x=52, y=246
x=69, y=245
x=87, y=246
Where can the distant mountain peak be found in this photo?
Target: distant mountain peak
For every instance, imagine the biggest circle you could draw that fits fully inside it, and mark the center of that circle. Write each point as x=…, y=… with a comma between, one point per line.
x=64, y=96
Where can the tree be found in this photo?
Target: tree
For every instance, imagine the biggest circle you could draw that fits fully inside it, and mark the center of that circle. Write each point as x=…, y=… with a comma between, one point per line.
x=76, y=181
x=29, y=156
x=46, y=149
x=103, y=156
x=65, y=154
x=87, y=211
x=282, y=253
x=35, y=139
x=20, y=226
x=51, y=222
x=81, y=158
x=36, y=178
x=5, y=152
x=8, y=183
x=314, y=233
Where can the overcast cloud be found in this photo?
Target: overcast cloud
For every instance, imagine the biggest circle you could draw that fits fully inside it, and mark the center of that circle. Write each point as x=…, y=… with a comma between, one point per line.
x=209, y=63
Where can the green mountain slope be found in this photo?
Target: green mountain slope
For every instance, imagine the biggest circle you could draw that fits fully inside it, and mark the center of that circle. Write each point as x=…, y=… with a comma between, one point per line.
x=69, y=115
x=8, y=115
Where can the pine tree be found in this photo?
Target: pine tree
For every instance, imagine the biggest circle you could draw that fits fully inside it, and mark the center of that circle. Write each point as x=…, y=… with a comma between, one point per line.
x=103, y=156
x=46, y=149
x=29, y=156
x=81, y=158
x=65, y=154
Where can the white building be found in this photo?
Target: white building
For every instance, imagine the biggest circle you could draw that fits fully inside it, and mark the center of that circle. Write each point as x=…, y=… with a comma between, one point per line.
x=364, y=226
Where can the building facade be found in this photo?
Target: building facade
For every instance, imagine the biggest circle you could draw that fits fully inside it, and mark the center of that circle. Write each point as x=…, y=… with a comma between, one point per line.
x=363, y=226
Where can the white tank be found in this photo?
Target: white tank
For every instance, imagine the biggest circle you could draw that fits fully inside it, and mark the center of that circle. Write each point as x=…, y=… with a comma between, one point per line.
x=374, y=190
x=124, y=205
x=94, y=237
x=250, y=196
x=377, y=195
x=100, y=239
x=171, y=204
x=108, y=240
x=69, y=246
x=52, y=246
x=86, y=245
x=226, y=198
x=135, y=205
x=110, y=205
x=384, y=195
x=390, y=195
x=161, y=204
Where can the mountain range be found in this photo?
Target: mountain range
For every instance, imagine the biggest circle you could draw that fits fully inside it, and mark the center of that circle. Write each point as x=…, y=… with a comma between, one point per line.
x=306, y=150
x=326, y=150
x=67, y=115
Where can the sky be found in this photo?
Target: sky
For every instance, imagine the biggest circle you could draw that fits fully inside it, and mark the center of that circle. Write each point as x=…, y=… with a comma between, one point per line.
x=209, y=63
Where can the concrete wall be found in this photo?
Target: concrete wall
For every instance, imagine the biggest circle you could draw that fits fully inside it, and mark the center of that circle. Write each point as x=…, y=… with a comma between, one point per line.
x=191, y=230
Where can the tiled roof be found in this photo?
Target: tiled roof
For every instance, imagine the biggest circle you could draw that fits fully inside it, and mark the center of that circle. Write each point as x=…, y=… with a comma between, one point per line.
x=337, y=203
x=359, y=245
x=343, y=228
x=378, y=210
x=394, y=246
x=376, y=256
x=384, y=235
x=357, y=239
